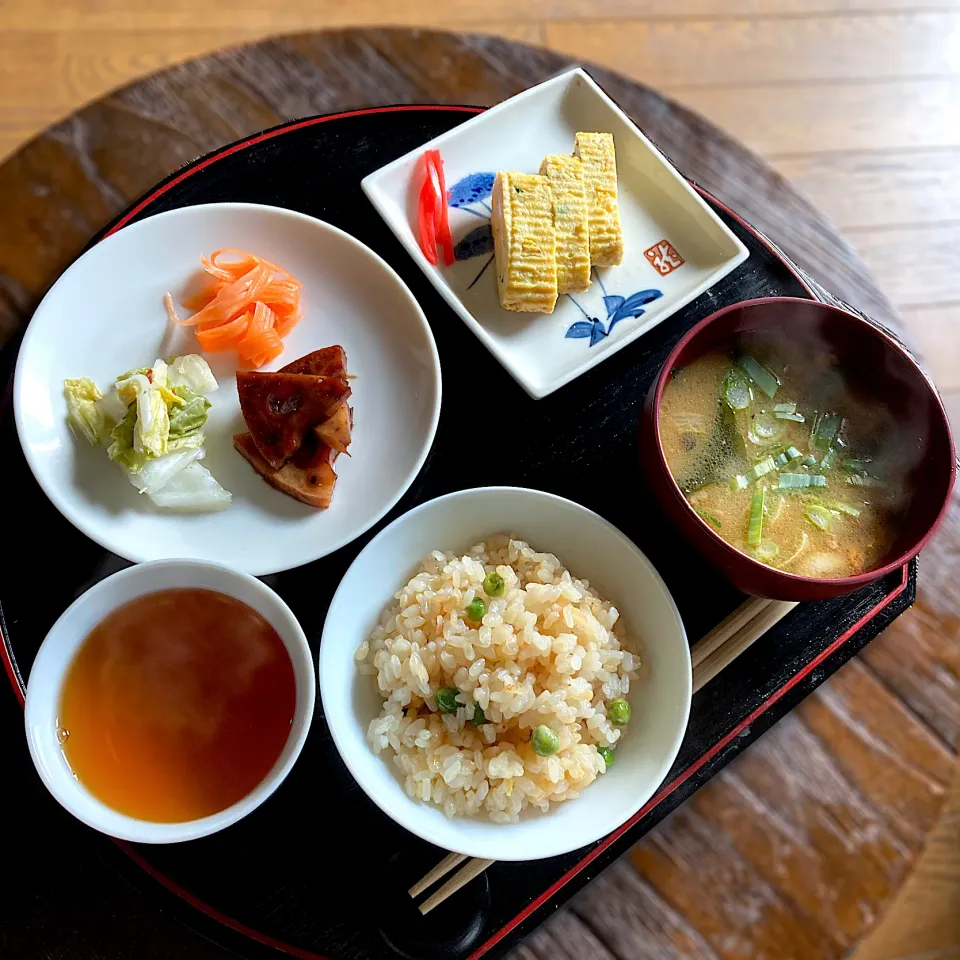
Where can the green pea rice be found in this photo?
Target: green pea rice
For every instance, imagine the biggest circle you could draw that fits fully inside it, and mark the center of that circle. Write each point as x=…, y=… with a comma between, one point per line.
x=549, y=650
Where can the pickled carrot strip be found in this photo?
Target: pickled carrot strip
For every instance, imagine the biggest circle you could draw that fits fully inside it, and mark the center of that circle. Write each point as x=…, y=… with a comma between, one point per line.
x=261, y=350
x=226, y=335
x=243, y=263
x=255, y=340
x=203, y=294
x=246, y=303
x=285, y=324
x=232, y=299
x=262, y=321
x=278, y=292
x=172, y=314
x=228, y=272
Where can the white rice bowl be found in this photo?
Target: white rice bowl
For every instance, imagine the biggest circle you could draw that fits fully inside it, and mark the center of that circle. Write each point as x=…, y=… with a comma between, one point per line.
x=548, y=651
x=591, y=547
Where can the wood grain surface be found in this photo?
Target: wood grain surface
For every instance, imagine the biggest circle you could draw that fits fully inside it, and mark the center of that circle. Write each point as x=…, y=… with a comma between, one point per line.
x=798, y=848
x=854, y=100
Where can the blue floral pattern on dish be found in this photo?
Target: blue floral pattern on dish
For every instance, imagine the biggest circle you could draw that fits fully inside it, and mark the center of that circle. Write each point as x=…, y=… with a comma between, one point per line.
x=475, y=244
x=471, y=193
x=472, y=189
x=618, y=308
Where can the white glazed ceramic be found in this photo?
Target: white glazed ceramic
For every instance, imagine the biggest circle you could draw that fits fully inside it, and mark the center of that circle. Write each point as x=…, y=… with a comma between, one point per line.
x=590, y=547
x=68, y=633
x=106, y=315
x=543, y=352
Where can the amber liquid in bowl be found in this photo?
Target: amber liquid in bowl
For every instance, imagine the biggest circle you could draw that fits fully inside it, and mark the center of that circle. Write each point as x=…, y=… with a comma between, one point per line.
x=177, y=705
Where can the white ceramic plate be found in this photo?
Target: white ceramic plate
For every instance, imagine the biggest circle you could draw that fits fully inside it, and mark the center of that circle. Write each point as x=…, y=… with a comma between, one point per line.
x=662, y=216
x=589, y=547
x=106, y=315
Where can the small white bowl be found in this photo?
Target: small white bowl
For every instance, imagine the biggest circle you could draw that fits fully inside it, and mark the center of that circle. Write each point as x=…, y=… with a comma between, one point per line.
x=106, y=315
x=590, y=548
x=68, y=633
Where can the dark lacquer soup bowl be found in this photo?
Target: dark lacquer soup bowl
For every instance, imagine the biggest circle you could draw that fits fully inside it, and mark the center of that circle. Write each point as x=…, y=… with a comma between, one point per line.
x=884, y=374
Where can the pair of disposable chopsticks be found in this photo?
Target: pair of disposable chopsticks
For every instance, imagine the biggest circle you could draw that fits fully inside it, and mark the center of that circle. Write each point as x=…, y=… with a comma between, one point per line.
x=716, y=651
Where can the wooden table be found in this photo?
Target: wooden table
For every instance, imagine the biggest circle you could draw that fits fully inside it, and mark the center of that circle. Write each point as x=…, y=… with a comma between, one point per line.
x=798, y=846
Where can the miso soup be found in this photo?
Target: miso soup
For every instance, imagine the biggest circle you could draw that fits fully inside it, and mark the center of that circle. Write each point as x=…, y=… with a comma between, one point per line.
x=783, y=457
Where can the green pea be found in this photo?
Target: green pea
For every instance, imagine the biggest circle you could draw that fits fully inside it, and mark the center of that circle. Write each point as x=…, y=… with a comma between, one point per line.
x=476, y=609
x=447, y=699
x=618, y=711
x=545, y=742
x=607, y=755
x=493, y=585
x=478, y=716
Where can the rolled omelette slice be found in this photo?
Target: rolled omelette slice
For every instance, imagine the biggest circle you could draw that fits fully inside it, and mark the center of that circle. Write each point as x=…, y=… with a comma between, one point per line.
x=600, y=175
x=570, y=221
x=525, y=243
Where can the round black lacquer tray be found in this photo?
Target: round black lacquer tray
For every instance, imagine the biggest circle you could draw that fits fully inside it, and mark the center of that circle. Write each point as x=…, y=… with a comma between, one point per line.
x=318, y=871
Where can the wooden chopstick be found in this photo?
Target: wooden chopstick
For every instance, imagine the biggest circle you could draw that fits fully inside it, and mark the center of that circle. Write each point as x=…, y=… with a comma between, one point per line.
x=460, y=879
x=727, y=627
x=711, y=654
x=450, y=861
x=717, y=656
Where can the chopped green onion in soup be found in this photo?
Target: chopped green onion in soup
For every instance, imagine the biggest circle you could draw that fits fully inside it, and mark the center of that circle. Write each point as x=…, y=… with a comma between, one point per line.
x=767, y=551
x=765, y=379
x=800, y=481
x=761, y=469
x=736, y=391
x=774, y=507
x=763, y=428
x=865, y=481
x=826, y=430
x=709, y=517
x=804, y=540
x=796, y=484
x=819, y=516
x=755, y=520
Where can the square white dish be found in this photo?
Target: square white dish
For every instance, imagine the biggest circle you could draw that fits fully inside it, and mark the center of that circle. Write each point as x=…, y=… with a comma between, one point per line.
x=657, y=207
